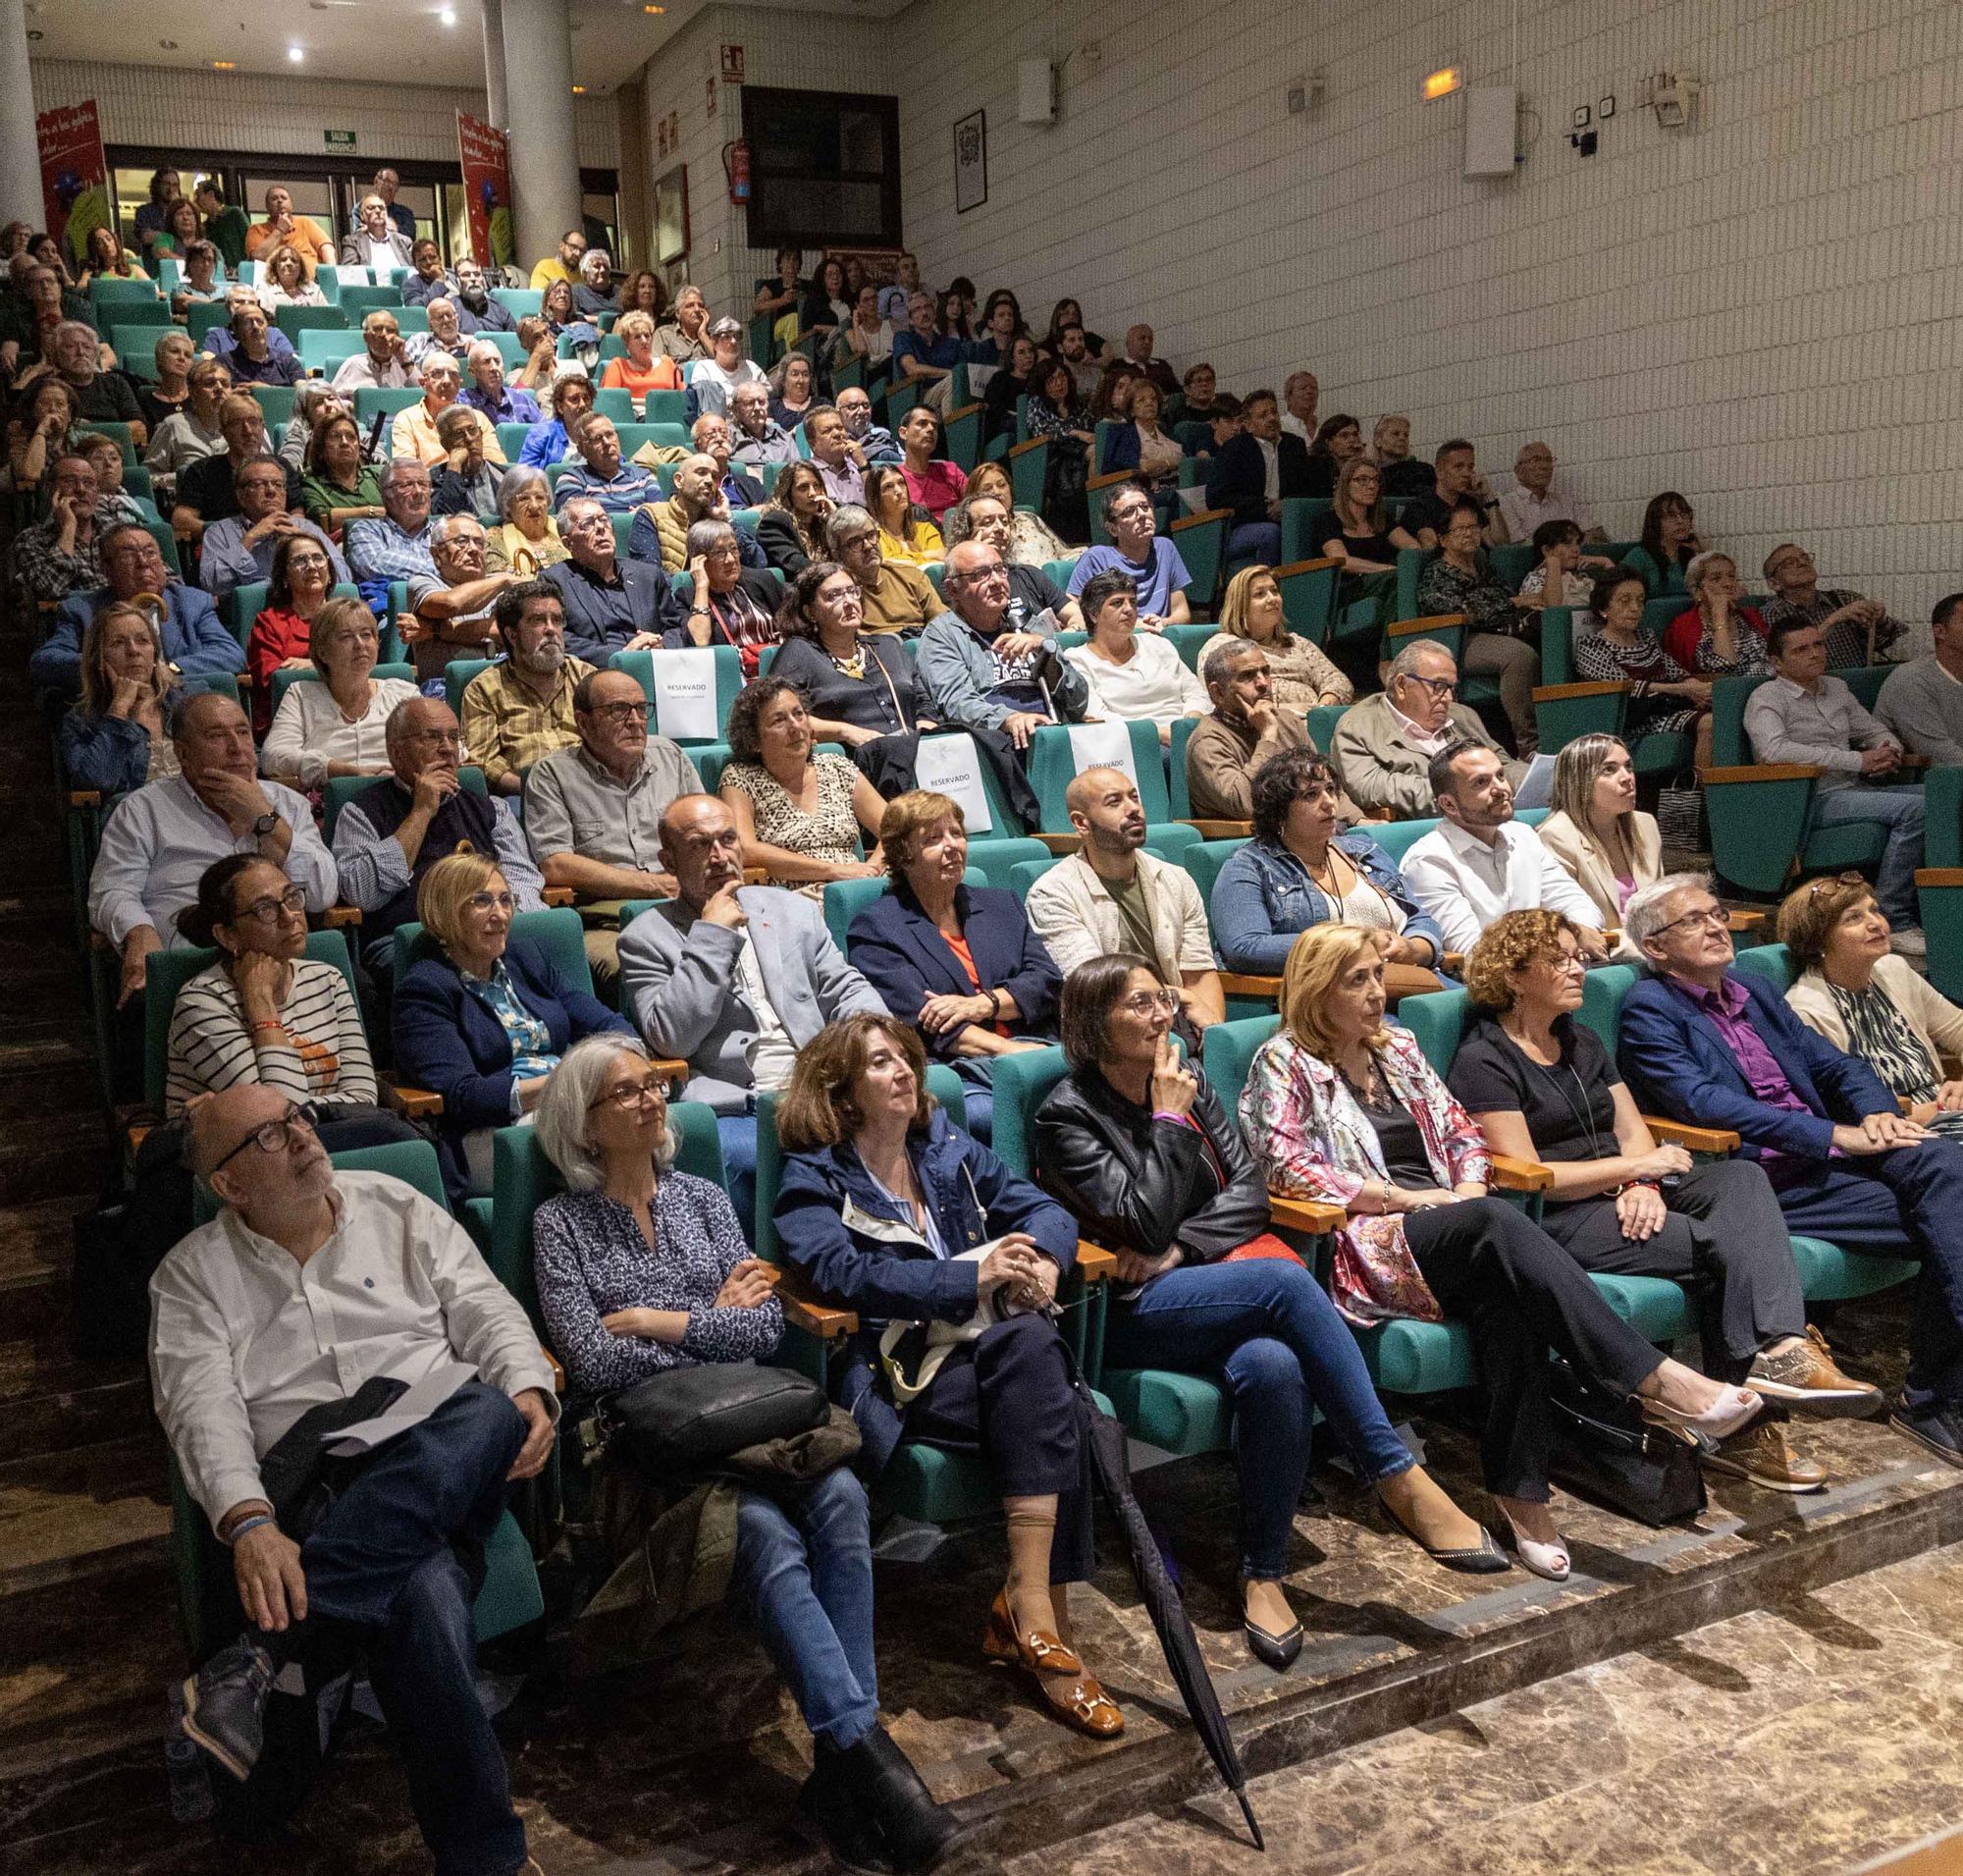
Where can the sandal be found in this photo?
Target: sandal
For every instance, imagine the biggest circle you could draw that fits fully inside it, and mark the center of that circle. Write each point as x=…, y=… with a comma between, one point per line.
x=1734, y=1408
x=1068, y=1689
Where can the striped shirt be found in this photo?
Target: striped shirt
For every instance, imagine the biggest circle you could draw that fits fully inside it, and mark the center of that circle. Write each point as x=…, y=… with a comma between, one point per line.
x=323, y=1056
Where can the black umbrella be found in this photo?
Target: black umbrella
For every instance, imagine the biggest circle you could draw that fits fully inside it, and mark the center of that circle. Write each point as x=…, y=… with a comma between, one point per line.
x=1110, y=1456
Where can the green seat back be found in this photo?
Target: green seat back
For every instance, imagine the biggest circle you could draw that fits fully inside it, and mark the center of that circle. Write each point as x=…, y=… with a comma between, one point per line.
x=1185, y=640
x=635, y=436
x=1604, y=990
x=999, y=861
x=511, y=438
x=557, y=931
x=1204, y=859
x=1171, y=841
x=107, y=289
x=519, y=300
x=617, y=404
x=845, y=899
x=1179, y=793
x=204, y=317
x=1053, y=766
x=1773, y=962
x=1511, y=563
x=371, y=401
x=293, y=320
x=728, y=683
x=120, y=432
x=276, y=402
x=322, y=349
x=1228, y=1053
x=456, y=677
x=342, y=789
x=357, y=300
x=1438, y=1022
x=1201, y=540
x=1020, y=1082
x=1322, y=721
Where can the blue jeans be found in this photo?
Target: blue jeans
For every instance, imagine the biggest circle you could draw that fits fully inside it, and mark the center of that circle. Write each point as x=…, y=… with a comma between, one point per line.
x=1267, y=1330
x=1255, y=541
x=1899, y=809
x=805, y=1572
x=738, y=1135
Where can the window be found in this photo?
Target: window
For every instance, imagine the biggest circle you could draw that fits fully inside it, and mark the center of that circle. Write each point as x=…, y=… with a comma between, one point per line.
x=825, y=167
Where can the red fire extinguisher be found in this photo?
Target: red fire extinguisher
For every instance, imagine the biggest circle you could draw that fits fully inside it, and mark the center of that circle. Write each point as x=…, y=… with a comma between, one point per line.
x=736, y=166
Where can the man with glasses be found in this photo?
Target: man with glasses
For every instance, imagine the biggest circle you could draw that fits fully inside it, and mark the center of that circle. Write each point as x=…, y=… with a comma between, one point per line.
x=451, y=613
x=867, y=442
x=396, y=544
x=1718, y=1048
x=519, y=712
x=394, y=831
x=239, y=550
x=428, y=278
x=57, y=557
x=158, y=841
x=315, y=1300
x=564, y=265
x=610, y=605
x=476, y=310
x=1858, y=631
x=898, y=595
x=383, y=363
x=376, y=242
x=413, y=433
x=488, y=392
x=600, y=474
x=1244, y=730
x=1383, y=746
x=208, y=489
x=709, y=434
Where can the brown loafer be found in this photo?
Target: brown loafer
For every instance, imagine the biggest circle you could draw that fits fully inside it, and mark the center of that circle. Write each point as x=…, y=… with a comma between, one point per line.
x=1066, y=1686
x=1760, y=1455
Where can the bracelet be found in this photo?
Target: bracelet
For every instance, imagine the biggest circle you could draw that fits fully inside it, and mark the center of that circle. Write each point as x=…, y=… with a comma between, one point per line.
x=252, y=1523
x=271, y=1022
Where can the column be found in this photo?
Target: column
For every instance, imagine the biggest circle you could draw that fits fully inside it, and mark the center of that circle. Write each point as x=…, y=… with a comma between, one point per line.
x=636, y=211
x=538, y=96
x=493, y=63
x=20, y=154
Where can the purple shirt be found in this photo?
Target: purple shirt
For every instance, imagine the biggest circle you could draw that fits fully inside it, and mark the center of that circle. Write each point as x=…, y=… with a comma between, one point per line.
x=1725, y=1007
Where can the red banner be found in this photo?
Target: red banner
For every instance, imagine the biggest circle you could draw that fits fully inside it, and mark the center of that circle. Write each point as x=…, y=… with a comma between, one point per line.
x=487, y=192
x=75, y=180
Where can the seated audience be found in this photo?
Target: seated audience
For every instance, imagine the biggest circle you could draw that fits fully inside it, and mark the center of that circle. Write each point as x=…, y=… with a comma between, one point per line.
x=1558, y=577
x=1338, y=439
x=1479, y=862
x=866, y=338
x=299, y=588
x=208, y=489
x=384, y=1572
x=1302, y=868
x=225, y=223
x=1457, y=478
x=481, y=1017
x=731, y=603
x=643, y=290
x=35, y=314
x=519, y=710
x=593, y=292
x=463, y=483
x=428, y=278
x=1341, y=1110
x=1251, y=475
x=758, y=443
x=885, y=1208
x=336, y=727
x=571, y=399
x=1384, y=745
x=791, y=528
x=1717, y=1048
x=158, y=841
x=451, y=612
x=905, y=533
x=1615, y=647
x=314, y=401
x=171, y=356
x=113, y=501
x=959, y=962
x=1302, y=394
x=1244, y=728
x=1360, y=533
x=119, y=736
x=396, y=545
x=1299, y=672
x=101, y=395
x=1805, y=715
x=412, y=433
x=1668, y=545
x=899, y=596
x=798, y=811
x=1012, y=381
x=924, y=355
x=1141, y=447
x=1140, y=1148
x=1112, y=896
x=562, y=265
x=240, y=550
x=685, y=338
x=734, y=980
x=1858, y=631
x=45, y=426
x=792, y=394
x=199, y=285
x=337, y=485
x=283, y=281
x=1499, y=632
x=660, y=534
x=1198, y=396
x=1852, y=988
x=932, y=484
x=391, y=832
x=1622, y=1205
x=612, y=605
x=525, y=540
x=191, y=636
x=191, y=432
x=717, y=376
x=1147, y=557
x=488, y=393
x=282, y=227
x=600, y=476
x=838, y=461
x=642, y=369
x=250, y=347
x=562, y=317
x=57, y=557
x=869, y=439
x=1915, y=705
x=1531, y=503
x=1598, y=833
x=376, y=241
x=1131, y=676
x=1027, y=540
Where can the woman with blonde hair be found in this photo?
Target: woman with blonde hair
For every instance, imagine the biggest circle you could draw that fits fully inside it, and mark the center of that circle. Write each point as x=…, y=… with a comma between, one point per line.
x=643, y=369
x=284, y=282
x=1341, y=1110
x=1595, y=829
x=338, y=726
x=1300, y=672
x=119, y=736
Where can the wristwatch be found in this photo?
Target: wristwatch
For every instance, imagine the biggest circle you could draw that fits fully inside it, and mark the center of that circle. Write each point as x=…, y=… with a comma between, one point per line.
x=264, y=825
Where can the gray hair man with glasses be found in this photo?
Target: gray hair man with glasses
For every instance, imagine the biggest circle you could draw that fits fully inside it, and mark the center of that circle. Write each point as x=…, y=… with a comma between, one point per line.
x=1384, y=746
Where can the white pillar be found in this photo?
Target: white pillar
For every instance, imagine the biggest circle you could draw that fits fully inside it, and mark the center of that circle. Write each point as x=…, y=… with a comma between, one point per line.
x=538, y=95
x=20, y=154
x=494, y=63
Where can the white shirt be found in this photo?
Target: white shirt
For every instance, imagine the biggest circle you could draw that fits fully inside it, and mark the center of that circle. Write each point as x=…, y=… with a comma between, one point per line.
x=377, y=253
x=1294, y=426
x=1271, y=475
x=1429, y=742
x=772, y=1053
x=1526, y=510
x=245, y=1338
x=359, y=373
x=158, y=842
x=1466, y=885
x=308, y=730
x=1155, y=685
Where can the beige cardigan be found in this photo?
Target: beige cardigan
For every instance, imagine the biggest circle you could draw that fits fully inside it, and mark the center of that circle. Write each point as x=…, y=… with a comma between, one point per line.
x=1936, y=1021
x=1579, y=852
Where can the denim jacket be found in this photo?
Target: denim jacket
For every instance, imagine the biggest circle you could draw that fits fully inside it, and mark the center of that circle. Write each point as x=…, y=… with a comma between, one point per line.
x=1265, y=899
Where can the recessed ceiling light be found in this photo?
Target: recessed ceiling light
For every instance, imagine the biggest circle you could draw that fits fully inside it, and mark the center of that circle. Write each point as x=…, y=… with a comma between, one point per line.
x=295, y=54
x=225, y=64
x=653, y=9
x=447, y=16
x=579, y=91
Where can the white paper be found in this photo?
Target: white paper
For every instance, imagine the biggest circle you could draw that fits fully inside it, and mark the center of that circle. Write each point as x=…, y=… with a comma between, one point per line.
x=686, y=694
x=1105, y=745
x=1536, y=789
x=415, y=1404
x=1194, y=498
x=977, y=378
x=951, y=765
x=354, y=276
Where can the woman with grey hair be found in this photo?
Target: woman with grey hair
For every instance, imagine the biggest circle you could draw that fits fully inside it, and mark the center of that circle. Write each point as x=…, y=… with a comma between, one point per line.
x=731, y=603
x=525, y=539
x=1718, y=635
x=642, y=1270
x=314, y=401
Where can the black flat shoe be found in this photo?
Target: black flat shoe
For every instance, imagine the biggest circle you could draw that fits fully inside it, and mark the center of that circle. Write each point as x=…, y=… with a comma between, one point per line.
x=1277, y=1651
x=1488, y=1560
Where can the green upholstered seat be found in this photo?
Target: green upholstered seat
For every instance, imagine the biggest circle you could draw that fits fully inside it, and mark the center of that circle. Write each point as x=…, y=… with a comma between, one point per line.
x=1406, y=1356
x=640, y=665
x=845, y=899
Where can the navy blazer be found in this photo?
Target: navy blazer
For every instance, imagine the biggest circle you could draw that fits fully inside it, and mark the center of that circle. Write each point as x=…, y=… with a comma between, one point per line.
x=1239, y=476
x=899, y=950
x=1679, y=1064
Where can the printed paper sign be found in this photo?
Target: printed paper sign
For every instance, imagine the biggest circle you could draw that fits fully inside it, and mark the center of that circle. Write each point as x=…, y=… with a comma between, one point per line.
x=951, y=766
x=685, y=695
x=1102, y=746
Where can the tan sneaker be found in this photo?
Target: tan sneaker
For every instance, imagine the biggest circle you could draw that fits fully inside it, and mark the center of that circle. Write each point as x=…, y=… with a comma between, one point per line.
x=1760, y=1455
x=1806, y=1377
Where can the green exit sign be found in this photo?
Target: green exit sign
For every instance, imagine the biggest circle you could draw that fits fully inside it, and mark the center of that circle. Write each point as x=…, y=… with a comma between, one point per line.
x=341, y=140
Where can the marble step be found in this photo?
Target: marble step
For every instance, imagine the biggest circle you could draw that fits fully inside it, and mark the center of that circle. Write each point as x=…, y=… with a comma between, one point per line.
x=50, y=1402
x=87, y=1513
x=52, y=1155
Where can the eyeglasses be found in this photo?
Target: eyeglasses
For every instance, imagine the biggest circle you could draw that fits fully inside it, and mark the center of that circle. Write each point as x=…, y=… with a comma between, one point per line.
x=630, y=1095
x=1565, y=963
x=621, y=713
x=1144, y=1002
x=276, y=1136
x=1715, y=919
x=982, y=576
x=490, y=901
x=1839, y=879
x=266, y=910
x=1437, y=686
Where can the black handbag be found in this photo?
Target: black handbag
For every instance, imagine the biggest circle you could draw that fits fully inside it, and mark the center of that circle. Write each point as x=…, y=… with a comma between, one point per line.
x=686, y=1420
x=1605, y=1451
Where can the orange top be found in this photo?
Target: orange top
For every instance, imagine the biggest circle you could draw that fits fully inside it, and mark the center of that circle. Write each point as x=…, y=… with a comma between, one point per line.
x=622, y=374
x=959, y=946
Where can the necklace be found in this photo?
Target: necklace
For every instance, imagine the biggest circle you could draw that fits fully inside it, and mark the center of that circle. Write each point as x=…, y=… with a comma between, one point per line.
x=1582, y=1117
x=855, y=665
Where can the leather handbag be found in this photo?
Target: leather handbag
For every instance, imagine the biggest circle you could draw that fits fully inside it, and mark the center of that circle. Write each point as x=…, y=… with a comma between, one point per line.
x=1608, y=1453
x=686, y=1420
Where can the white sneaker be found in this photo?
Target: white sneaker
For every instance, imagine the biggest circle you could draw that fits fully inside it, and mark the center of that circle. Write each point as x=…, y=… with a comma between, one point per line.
x=1909, y=942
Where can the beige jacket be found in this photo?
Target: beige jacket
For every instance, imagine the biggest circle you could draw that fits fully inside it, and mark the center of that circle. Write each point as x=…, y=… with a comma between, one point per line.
x=1074, y=914
x=1936, y=1021
x=1221, y=759
x=1381, y=769
x=1583, y=857
x=1300, y=672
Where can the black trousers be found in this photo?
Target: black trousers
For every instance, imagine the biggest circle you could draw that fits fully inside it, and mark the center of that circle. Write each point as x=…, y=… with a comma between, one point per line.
x=1007, y=1398
x=1493, y=1268
x=1724, y=1242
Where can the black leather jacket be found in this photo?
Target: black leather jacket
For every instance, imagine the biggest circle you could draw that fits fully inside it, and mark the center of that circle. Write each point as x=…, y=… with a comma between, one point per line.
x=1144, y=1185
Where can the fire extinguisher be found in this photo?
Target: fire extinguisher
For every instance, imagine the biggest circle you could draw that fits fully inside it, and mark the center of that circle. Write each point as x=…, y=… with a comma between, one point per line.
x=736, y=166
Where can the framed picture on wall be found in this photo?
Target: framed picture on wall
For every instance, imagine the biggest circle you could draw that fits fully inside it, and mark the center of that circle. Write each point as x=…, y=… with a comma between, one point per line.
x=671, y=215
x=970, y=162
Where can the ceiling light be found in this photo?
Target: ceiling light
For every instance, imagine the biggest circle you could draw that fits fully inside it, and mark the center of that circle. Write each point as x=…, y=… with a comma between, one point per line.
x=579, y=91
x=1443, y=82
x=653, y=9
x=225, y=64
x=295, y=54
x=447, y=16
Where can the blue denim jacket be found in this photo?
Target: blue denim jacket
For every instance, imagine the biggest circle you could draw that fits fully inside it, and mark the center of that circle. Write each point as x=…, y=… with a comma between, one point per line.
x=1265, y=899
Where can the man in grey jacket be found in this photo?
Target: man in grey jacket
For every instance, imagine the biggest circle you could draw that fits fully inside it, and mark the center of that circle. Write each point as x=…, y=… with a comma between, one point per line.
x=1921, y=704
x=731, y=979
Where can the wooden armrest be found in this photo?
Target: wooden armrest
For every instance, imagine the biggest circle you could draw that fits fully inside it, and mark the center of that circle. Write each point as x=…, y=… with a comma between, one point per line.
x=1246, y=984
x=85, y=798
x=1108, y=480
x=1200, y=519
x=1095, y=1263
x=668, y=1068
x=1023, y=449
x=560, y=895
x=755, y=875
x=1761, y=772
x=1558, y=693
x=1451, y=963
x=1680, y=1133
x=1520, y=1175
x=1939, y=876
x=1222, y=830
x=966, y=410
x=802, y=1310
x=1306, y=1214
x=1911, y=761
x=1061, y=843
x=1417, y=627
x=243, y=680
x=1307, y=566
x=339, y=917
x=414, y=1103
x=1750, y=921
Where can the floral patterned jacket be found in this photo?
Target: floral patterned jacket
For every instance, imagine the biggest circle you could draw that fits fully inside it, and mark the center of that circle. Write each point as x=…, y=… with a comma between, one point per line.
x=1315, y=1141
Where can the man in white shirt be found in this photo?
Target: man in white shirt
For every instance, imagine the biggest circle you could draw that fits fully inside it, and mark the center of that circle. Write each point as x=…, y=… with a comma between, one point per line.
x=315, y=1301
x=1529, y=503
x=1480, y=862
x=376, y=241
x=1302, y=391
x=1111, y=896
x=384, y=364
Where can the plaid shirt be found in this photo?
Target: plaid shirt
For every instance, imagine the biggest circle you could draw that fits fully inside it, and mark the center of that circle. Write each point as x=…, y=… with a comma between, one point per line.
x=1846, y=642
x=45, y=572
x=506, y=728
